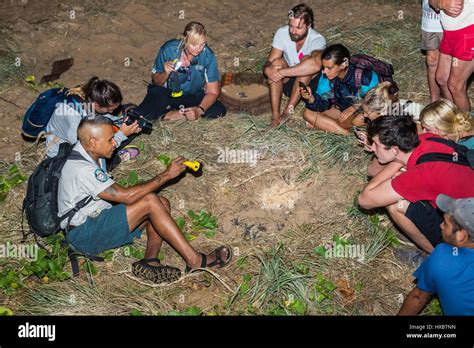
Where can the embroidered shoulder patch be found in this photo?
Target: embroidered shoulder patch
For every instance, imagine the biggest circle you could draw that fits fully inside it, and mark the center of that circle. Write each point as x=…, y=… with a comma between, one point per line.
x=100, y=175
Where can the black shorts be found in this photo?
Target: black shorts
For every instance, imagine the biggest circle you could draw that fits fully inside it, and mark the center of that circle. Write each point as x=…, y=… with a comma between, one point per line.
x=288, y=86
x=427, y=219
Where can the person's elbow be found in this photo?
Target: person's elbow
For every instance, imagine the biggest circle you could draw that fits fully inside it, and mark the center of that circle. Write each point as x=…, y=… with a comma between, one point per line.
x=415, y=301
x=213, y=90
x=157, y=79
x=365, y=200
x=128, y=198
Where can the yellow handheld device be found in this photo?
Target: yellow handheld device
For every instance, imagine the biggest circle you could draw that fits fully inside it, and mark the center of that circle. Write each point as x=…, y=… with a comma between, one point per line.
x=193, y=165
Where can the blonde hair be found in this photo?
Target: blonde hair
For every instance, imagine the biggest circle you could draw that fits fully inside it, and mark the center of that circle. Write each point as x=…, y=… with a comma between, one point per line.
x=445, y=116
x=194, y=33
x=380, y=98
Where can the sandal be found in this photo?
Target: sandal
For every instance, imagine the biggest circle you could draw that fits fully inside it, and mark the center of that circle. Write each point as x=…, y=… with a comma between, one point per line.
x=156, y=274
x=219, y=261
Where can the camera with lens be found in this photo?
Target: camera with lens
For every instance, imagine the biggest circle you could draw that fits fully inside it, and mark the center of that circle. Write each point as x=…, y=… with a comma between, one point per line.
x=133, y=116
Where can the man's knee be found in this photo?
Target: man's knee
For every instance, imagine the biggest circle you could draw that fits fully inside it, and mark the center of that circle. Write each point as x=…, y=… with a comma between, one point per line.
x=373, y=169
x=165, y=202
x=394, y=209
x=280, y=62
x=441, y=79
x=456, y=84
x=398, y=208
x=432, y=60
x=151, y=200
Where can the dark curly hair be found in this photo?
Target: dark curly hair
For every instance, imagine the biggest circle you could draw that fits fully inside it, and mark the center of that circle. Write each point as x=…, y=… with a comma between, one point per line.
x=394, y=131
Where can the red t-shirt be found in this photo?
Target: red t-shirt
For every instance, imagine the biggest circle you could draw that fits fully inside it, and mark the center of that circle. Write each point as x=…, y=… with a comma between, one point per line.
x=427, y=180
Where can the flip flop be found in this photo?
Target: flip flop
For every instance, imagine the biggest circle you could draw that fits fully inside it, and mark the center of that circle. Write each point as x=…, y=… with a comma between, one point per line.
x=219, y=261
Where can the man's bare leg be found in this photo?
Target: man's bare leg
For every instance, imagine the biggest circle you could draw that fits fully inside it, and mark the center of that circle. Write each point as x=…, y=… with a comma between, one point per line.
x=303, y=72
x=461, y=70
x=154, y=240
x=442, y=75
x=276, y=93
x=397, y=212
x=152, y=208
x=432, y=59
x=374, y=167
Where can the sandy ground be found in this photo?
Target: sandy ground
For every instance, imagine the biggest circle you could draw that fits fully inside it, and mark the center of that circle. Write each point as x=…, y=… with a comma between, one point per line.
x=118, y=40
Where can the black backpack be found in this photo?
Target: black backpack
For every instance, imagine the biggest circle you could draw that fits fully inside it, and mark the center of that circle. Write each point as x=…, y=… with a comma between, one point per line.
x=461, y=155
x=41, y=200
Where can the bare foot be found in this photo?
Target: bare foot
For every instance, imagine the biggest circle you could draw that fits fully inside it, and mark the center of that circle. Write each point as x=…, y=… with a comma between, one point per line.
x=275, y=122
x=284, y=117
x=174, y=115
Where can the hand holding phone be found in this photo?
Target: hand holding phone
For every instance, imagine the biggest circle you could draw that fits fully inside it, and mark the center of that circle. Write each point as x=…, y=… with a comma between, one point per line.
x=306, y=92
x=358, y=132
x=302, y=85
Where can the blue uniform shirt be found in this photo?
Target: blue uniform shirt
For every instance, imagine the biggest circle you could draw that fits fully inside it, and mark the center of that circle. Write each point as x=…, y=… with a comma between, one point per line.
x=203, y=68
x=449, y=272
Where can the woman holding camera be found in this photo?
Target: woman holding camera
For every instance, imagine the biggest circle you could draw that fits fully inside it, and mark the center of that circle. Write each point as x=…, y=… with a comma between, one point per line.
x=185, y=80
x=95, y=97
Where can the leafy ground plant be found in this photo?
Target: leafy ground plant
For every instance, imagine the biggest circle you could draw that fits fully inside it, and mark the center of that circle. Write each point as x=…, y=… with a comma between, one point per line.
x=11, y=178
x=5, y=311
x=46, y=266
x=164, y=159
x=35, y=86
x=196, y=223
x=132, y=179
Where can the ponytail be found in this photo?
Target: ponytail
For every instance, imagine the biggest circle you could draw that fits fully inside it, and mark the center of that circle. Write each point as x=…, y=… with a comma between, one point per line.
x=102, y=92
